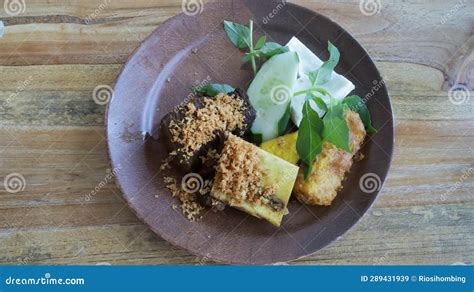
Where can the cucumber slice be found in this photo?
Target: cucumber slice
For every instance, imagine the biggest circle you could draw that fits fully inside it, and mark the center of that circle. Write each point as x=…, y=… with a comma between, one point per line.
x=270, y=92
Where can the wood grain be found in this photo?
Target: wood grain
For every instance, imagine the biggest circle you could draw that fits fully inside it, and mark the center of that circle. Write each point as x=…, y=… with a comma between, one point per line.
x=52, y=57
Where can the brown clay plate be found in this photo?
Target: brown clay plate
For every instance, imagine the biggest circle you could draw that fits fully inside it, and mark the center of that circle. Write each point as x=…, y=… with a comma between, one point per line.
x=187, y=50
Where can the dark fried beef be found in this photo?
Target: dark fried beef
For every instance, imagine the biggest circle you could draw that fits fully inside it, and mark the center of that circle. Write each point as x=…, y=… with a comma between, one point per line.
x=192, y=163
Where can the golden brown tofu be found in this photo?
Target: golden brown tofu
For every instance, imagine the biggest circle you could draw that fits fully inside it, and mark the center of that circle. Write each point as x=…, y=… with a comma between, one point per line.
x=283, y=147
x=330, y=167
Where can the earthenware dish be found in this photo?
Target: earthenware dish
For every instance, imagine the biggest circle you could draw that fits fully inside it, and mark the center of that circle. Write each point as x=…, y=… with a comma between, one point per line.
x=189, y=49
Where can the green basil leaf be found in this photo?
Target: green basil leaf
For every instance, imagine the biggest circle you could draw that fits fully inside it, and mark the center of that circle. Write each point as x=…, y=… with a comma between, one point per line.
x=324, y=73
x=285, y=119
x=271, y=49
x=255, y=138
x=261, y=41
x=270, y=46
x=213, y=89
x=309, y=143
x=356, y=104
x=336, y=130
x=312, y=76
x=238, y=34
x=320, y=102
x=246, y=58
x=336, y=110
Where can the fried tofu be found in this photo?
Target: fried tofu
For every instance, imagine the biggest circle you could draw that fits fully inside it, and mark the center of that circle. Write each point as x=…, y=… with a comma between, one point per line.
x=330, y=166
x=283, y=147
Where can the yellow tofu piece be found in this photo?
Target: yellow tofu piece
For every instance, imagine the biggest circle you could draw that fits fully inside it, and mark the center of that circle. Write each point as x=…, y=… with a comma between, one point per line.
x=253, y=180
x=283, y=147
x=330, y=167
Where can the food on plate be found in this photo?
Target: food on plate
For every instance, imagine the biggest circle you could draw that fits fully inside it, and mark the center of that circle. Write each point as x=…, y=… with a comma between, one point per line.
x=297, y=110
x=283, y=147
x=330, y=166
x=270, y=93
x=242, y=37
x=192, y=128
x=338, y=86
x=253, y=180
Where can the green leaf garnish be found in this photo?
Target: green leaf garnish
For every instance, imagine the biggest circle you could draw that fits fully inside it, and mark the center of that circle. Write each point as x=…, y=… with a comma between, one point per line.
x=261, y=42
x=336, y=130
x=321, y=76
x=319, y=101
x=255, y=138
x=271, y=49
x=242, y=37
x=238, y=34
x=309, y=142
x=356, y=104
x=285, y=119
x=324, y=73
x=246, y=58
x=213, y=89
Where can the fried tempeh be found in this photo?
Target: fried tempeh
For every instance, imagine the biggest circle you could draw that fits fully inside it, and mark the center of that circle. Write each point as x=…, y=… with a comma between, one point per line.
x=330, y=166
x=253, y=180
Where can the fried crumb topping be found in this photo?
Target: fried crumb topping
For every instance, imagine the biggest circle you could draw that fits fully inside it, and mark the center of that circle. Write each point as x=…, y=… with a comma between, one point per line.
x=211, y=158
x=189, y=201
x=200, y=125
x=239, y=173
x=189, y=206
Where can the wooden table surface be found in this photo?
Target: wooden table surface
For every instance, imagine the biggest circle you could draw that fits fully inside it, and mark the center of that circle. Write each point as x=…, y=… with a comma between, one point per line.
x=54, y=53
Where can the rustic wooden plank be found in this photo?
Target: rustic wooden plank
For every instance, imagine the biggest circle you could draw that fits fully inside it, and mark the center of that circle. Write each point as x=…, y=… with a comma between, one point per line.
x=52, y=134
x=408, y=77
x=87, y=32
x=379, y=239
x=439, y=37
x=50, y=33
x=431, y=234
x=400, y=77
x=57, y=77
